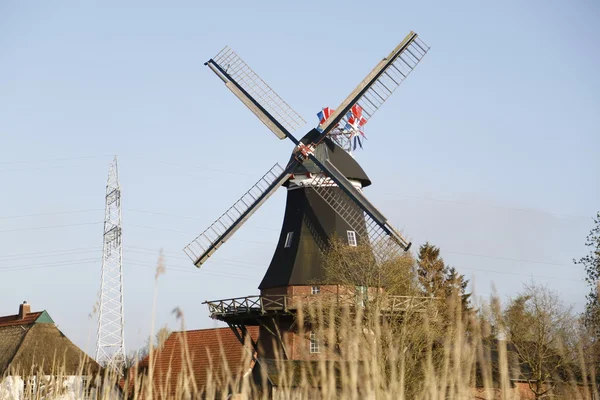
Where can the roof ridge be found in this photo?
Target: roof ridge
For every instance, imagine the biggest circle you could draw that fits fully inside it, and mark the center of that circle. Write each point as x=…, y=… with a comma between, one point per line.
x=204, y=330
x=13, y=320
x=16, y=315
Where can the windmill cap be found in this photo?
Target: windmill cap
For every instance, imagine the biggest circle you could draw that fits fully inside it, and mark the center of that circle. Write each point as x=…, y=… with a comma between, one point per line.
x=328, y=150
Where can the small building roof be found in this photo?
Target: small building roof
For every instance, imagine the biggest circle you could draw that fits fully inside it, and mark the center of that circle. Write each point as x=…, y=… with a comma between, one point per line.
x=200, y=353
x=14, y=320
x=30, y=343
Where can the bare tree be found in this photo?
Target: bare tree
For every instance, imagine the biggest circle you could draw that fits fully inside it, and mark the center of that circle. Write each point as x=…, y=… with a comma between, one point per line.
x=159, y=339
x=357, y=266
x=408, y=337
x=540, y=330
x=591, y=316
x=591, y=263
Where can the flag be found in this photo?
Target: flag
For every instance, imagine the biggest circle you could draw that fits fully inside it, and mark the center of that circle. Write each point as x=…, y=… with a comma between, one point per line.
x=357, y=141
x=352, y=129
x=355, y=117
x=324, y=114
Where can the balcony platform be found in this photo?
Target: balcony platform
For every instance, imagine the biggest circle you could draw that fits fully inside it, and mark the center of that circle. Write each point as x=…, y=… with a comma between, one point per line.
x=248, y=310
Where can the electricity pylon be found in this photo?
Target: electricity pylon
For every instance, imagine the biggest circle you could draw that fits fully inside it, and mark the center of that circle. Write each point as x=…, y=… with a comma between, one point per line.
x=110, y=344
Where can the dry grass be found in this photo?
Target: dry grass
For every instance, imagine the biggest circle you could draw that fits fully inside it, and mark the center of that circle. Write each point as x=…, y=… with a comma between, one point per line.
x=363, y=357
x=432, y=354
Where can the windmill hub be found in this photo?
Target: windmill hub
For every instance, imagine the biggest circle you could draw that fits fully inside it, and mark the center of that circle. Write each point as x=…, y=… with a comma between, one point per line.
x=303, y=152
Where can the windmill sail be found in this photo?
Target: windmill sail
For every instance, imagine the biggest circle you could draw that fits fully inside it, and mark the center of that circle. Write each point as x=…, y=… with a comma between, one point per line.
x=275, y=113
x=377, y=228
x=201, y=248
x=379, y=85
x=282, y=120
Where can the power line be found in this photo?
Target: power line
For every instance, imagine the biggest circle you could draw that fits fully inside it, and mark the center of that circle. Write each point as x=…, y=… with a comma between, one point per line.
x=461, y=267
x=258, y=227
x=190, y=218
x=203, y=167
x=52, y=160
x=189, y=233
x=509, y=259
x=135, y=249
x=133, y=262
x=228, y=262
x=49, y=265
x=486, y=205
x=238, y=276
x=518, y=274
x=194, y=166
x=49, y=252
x=149, y=160
x=39, y=168
x=445, y=251
x=190, y=270
x=249, y=241
x=47, y=214
x=67, y=252
x=6, y=258
x=49, y=227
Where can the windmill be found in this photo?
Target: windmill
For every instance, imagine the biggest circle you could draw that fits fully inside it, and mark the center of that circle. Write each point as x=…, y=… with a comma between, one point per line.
x=324, y=184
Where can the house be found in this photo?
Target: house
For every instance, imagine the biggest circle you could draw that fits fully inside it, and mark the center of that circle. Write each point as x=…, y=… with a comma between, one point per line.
x=568, y=383
x=37, y=359
x=203, y=362
x=190, y=361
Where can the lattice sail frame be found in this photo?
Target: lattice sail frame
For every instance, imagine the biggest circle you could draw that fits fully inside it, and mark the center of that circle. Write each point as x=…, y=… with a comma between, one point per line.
x=402, y=61
x=370, y=94
x=201, y=248
x=383, y=245
x=233, y=66
x=110, y=344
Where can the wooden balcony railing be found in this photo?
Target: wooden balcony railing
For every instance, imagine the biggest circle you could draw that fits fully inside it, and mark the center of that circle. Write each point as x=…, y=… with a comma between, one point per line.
x=260, y=305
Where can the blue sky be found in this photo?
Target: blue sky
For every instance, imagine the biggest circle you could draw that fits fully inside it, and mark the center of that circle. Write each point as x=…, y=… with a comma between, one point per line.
x=488, y=150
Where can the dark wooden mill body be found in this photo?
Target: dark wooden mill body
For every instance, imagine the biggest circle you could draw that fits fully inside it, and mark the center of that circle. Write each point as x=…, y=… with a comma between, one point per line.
x=297, y=271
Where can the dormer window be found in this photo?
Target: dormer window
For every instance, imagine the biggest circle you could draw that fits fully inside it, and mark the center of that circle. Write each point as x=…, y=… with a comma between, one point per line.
x=288, y=239
x=352, y=238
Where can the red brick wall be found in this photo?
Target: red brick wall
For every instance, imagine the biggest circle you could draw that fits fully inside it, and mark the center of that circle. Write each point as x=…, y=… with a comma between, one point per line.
x=298, y=290
x=297, y=343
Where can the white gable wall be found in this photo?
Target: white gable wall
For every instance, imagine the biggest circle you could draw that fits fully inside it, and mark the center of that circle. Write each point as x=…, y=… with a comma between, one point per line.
x=11, y=387
x=72, y=388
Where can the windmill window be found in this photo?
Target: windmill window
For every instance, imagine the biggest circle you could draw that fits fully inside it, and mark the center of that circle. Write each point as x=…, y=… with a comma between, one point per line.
x=288, y=239
x=315, y=290
x=352, y=238
x=315, y=346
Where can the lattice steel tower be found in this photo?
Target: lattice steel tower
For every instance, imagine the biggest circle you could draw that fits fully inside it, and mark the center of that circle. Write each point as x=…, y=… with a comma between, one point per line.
x=110, y=345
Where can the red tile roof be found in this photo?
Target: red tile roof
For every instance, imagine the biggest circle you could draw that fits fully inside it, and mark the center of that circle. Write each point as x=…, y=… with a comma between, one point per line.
x=217, y=350
x=13, y=320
